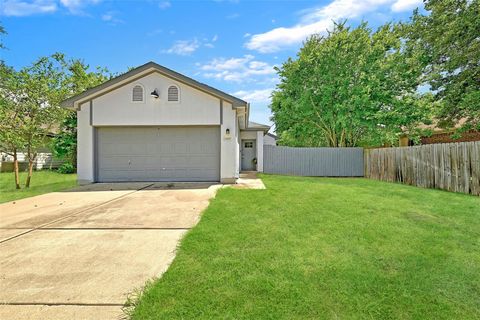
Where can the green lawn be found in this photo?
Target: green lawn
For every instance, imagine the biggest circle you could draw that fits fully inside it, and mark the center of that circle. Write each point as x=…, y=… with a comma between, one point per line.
x=319, y=248
x=42, y=182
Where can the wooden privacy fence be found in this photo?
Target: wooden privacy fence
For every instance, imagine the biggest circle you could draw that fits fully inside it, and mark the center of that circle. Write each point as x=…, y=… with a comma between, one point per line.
x=450, y=166
x=326, y=162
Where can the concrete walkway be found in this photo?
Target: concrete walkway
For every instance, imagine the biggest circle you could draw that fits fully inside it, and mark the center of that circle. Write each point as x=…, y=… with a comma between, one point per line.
x=78, y=254
x=249, y=180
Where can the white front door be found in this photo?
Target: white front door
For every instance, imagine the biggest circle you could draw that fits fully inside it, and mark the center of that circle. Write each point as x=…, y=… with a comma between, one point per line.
x=249, y=154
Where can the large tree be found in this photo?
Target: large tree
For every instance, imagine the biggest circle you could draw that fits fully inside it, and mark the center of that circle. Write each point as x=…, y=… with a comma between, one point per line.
x=350, y=87
x=447, y=41
x=79, y=78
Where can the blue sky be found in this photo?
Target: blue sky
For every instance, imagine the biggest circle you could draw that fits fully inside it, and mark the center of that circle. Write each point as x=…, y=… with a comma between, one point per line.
x=231, y=45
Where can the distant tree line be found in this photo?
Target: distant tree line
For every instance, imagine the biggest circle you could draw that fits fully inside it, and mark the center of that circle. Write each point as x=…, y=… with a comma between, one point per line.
x=359, y=87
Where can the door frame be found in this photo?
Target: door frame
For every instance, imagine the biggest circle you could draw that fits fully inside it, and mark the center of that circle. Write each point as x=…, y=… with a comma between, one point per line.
x=254, y=142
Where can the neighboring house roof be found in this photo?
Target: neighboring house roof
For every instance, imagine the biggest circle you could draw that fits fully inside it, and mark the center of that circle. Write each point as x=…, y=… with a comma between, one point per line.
x=272, y=135
x=436, y=129
x=141, y=72
x=254, y=126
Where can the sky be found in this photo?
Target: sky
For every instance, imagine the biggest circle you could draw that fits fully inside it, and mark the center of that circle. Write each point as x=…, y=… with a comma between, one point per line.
x=230, y=45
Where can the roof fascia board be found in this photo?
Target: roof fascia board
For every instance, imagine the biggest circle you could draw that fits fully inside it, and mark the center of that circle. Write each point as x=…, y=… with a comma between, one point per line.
x=142, y=71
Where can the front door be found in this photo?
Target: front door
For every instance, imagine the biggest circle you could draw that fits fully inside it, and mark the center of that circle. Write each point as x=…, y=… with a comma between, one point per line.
x=249, y=153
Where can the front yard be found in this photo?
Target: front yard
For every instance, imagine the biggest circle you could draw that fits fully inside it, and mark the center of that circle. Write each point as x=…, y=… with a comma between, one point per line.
x=319, y=248
x=42, y=182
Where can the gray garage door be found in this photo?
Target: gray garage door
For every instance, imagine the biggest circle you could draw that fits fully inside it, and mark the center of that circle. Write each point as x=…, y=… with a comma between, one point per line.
x=158, y=154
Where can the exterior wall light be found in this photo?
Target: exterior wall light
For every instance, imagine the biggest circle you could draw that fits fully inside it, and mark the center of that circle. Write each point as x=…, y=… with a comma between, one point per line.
x=227, y=134
x=155, y=94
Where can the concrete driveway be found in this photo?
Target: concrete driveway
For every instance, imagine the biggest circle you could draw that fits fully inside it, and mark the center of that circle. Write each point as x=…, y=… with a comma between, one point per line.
x=78, y=254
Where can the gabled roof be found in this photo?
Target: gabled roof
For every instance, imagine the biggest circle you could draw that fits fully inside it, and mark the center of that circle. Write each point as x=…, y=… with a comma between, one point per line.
x=142, y=71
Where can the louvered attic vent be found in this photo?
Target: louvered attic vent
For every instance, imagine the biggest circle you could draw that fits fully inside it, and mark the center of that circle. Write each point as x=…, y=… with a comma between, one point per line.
x=137, y=94
x=172, y=93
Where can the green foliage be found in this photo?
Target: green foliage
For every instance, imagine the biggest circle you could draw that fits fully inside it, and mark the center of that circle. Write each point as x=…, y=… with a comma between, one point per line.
x=66, y=168
x=64, y=144
x=30, y=105
x=10, y=111
x=2, y=32
x=447, y=42
x=349, y=88
x=78, y=79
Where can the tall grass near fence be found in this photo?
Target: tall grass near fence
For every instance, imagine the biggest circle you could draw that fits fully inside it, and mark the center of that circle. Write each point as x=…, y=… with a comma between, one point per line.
x=450, y=166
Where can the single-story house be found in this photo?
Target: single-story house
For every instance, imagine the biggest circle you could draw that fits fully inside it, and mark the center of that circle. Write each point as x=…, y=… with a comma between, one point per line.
x=270, y=139
x=44, y=160
x=154, y=124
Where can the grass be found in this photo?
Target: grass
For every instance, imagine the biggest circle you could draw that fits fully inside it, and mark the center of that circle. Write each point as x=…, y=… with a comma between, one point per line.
x=42, y=182
x=320, y=248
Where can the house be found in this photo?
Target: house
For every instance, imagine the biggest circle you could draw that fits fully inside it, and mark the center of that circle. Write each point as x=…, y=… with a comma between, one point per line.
x=154, y=124
x=437, y=134
x=270, y=139
x=44, y=160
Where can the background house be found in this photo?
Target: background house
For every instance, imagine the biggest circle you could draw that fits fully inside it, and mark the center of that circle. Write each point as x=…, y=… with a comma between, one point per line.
x=441, y=135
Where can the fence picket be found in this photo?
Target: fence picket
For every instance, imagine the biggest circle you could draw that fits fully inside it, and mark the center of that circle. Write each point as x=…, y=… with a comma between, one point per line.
x=451, y=166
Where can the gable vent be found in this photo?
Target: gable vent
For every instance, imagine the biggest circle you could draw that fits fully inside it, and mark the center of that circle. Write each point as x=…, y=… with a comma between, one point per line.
x=172, y=93
x=137, y=94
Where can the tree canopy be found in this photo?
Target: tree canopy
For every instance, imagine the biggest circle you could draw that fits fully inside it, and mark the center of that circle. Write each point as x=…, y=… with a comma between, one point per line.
x=30, y=106
x=348, y=88
x=447, y=42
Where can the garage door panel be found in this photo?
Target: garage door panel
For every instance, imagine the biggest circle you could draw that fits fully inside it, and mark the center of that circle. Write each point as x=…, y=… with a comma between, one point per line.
x=158, y=154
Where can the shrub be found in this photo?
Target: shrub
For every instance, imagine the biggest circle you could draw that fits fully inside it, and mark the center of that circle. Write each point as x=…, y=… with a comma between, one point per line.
x=66, y=168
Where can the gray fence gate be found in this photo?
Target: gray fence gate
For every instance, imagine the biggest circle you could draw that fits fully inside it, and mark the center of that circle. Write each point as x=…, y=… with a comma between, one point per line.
x=323, y=162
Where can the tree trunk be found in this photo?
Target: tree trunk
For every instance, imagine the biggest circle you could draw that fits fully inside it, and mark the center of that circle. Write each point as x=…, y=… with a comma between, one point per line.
x=15, y=169
x=31, y=159
x=30, y=171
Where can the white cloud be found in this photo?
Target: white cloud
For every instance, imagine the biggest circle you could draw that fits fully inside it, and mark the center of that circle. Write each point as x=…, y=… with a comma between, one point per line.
x=76, y=6
x=111, y=17
x=215, y=38
x=18, y=8
x=184, y=47
x=317, y=20
x=262, y=96
x=164, y=5
x=241, y=69
x=406, y=5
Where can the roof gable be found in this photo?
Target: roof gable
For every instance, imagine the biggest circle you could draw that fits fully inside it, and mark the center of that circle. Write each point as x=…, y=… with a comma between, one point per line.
x=142, y=71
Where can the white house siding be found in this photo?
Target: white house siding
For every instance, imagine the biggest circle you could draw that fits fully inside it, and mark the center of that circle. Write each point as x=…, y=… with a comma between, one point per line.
x=238, y=149
x=194, y=108
x=269, y=140
x=229, y=145
x=44, y=160
x=260, y=151
x=248, y=135
x=85, y=145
